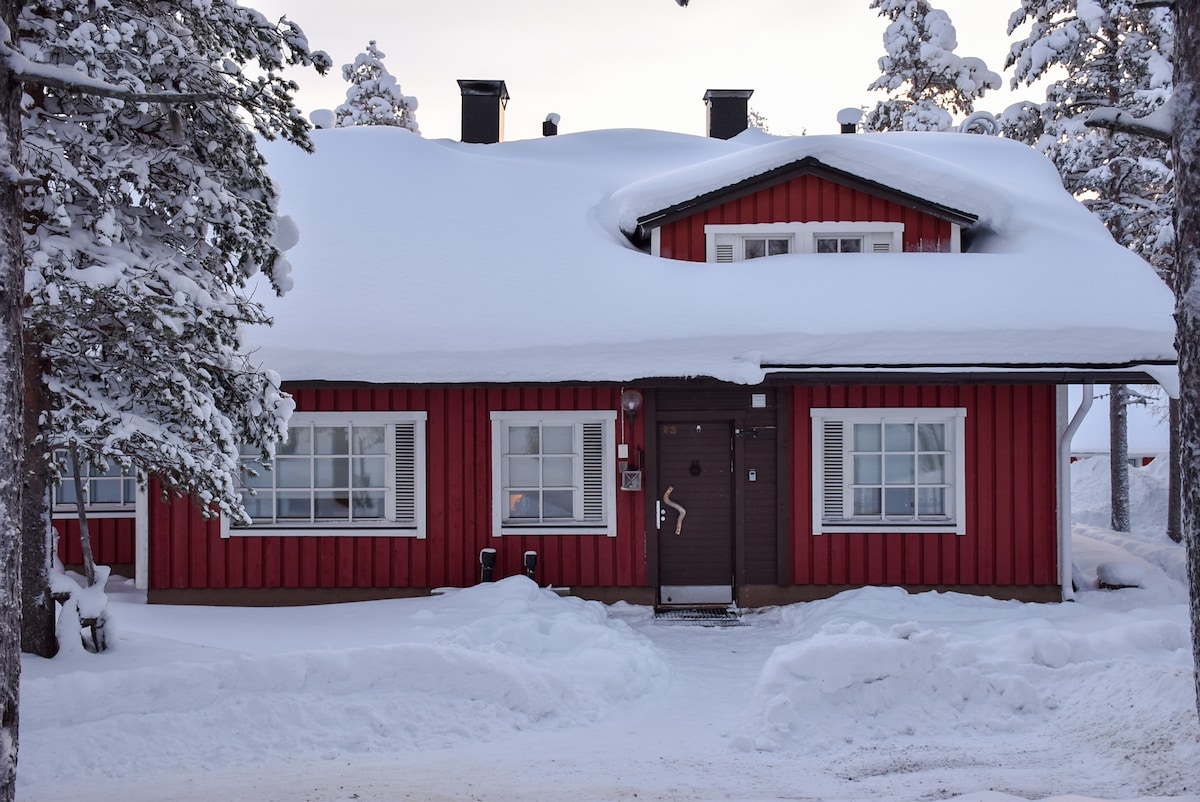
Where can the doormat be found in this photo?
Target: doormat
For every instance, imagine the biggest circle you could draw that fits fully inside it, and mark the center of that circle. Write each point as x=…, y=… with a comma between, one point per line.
x=700, y=617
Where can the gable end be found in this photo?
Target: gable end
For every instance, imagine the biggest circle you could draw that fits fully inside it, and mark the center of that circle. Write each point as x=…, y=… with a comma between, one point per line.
x=806, y=166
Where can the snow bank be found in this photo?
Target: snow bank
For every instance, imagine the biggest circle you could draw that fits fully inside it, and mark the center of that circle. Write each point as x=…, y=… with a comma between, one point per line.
x=474, y=665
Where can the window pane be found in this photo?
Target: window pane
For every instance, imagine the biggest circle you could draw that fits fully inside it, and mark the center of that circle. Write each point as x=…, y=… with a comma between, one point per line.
x=259, y=506
x=868, y=469
x=368, y=504
x=898, y=437
x=866, y=501
x=898, y=501
x=299, y=441
x=778, y=246
x=558, y=472
x=851, y=245
x=293, y=505
x=129, y=489
x=524, y=504
x=932, y=436
x=333, y=504
x=370, y=472
x=293, y=473
x=867, y=437
x=66, y=491
x=524, y=472
x=826, y=245
x=931, y=469
x=755, y=248
x=558, y=504
x=104, y=491
x=558, y=439
x=264, y=478
x=932, y=500
x=369, y=439
x=332, y=472
x=523, y=440
x=331, y=440
x=898, y=469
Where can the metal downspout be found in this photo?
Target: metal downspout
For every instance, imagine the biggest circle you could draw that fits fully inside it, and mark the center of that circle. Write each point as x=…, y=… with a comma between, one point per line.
x=1064, y=493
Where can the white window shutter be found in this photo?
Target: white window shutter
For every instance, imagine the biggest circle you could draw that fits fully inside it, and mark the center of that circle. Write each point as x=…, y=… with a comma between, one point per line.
x=593, y=471
x=723, y=245
x=403, y=499
x=833, y=469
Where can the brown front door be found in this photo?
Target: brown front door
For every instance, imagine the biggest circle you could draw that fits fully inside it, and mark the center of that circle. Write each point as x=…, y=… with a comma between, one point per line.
x=696, y=512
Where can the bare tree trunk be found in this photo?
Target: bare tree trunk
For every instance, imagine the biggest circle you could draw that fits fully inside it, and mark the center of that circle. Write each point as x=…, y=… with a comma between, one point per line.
x=37, y=543
x=1174, y=522
x=1118, y=450
x=12, y=292
x=1186, y=153
x=85, y=535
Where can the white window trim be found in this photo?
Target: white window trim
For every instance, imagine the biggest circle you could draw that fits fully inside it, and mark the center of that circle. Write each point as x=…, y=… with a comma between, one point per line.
x=502, y=419
x=417, y=529
x=953, y=417
x=875, y=235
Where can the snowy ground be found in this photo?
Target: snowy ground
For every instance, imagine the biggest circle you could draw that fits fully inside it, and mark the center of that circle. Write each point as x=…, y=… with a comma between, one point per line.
x=507, y=692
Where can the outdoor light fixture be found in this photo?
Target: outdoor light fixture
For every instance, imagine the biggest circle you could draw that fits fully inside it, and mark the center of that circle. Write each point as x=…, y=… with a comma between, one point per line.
x=631, y=402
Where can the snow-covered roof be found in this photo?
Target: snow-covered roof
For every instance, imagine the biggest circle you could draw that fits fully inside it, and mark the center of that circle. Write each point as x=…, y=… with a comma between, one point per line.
x=436, y=261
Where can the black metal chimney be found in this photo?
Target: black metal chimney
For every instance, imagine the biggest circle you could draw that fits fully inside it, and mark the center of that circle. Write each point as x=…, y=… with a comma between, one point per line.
x=728, y=111
x=849, y=119
x=550, y=125
x=483, y=104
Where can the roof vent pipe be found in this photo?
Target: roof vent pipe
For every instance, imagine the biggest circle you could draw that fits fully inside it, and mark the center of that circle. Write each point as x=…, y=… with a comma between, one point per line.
x=849, y=120
x=728, y=112
x=483, y=104
x=550, y=125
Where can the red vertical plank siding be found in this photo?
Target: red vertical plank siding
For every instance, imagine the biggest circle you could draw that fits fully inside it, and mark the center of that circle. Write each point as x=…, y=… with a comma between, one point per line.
x=112, y=540
x=187, y=552
x=804, y=199
x=1010, y=511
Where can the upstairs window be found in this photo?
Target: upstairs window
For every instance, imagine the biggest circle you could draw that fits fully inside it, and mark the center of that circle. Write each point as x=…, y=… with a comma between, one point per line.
x=883, y=470
x=740, y=243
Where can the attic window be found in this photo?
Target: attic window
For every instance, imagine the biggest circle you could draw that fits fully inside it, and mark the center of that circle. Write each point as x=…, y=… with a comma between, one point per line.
x=740, y=243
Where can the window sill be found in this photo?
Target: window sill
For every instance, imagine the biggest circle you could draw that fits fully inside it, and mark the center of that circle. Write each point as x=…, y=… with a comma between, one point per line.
x=343, y=530
x=871, y=527
x=555, y=530
x=125, y=512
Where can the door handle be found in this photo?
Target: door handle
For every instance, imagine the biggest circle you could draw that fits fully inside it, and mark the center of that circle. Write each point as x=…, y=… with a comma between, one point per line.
x=678, y=507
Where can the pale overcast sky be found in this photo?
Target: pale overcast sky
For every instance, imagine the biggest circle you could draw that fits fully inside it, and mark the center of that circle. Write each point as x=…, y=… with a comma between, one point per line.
x=627, y=63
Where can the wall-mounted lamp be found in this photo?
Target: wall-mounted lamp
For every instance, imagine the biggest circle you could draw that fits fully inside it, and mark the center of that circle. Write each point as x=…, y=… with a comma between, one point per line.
x=631, y=402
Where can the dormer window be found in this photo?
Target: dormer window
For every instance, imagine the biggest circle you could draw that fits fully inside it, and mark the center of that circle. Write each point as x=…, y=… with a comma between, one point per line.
x=739, y=243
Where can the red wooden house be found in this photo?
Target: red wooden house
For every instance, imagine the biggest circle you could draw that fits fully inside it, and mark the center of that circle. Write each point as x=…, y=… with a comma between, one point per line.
x=681, y=370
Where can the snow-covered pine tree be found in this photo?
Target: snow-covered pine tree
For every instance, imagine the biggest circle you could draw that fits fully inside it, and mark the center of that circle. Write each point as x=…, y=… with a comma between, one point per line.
x=374, y=96
x=926, y=81
x=1114, y=54
x=145, y=223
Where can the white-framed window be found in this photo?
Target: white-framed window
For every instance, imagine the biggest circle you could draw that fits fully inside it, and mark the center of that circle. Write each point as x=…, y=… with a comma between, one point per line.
x=340, y=473
x=889, y=470
x=739, y=243
x=109, y=491
x=554, y=473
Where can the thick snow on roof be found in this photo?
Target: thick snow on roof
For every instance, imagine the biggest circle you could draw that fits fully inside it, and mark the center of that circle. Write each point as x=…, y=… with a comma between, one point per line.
x=436, y=261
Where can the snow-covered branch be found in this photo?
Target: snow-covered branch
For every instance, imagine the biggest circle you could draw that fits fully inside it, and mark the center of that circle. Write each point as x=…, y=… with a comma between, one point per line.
x=1156, y=125
x=71, y=80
